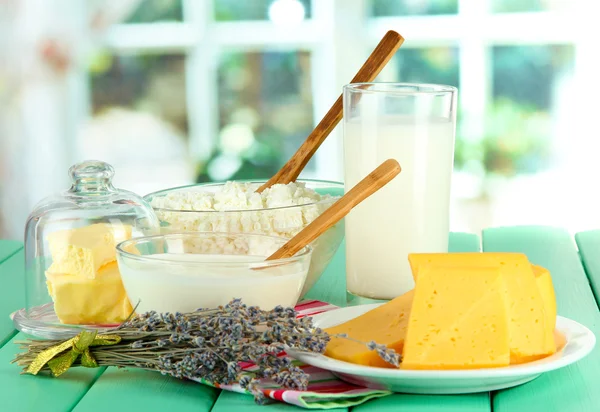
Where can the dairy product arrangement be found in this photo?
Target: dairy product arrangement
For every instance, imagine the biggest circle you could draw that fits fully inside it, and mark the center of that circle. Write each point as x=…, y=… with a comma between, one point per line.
x=219, y=284
x=467, y=311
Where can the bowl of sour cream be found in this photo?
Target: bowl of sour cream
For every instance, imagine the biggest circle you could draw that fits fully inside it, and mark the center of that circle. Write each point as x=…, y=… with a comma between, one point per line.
x=187, y=271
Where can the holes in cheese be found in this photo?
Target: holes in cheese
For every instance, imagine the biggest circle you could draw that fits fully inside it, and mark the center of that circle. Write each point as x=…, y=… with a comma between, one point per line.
x=465, y=327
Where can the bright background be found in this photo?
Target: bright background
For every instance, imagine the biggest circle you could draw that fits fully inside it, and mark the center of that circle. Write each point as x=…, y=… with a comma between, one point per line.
x=176, y=91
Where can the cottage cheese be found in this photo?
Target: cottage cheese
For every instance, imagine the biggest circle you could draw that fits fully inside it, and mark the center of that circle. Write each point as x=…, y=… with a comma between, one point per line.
x=237, y=207
x=248, y=211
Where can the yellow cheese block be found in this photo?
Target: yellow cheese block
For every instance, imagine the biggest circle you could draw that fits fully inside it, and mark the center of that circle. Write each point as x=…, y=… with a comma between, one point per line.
x=531, y=337
x=459, y=320
x=385, y=324
x=83, y=251
x=542, y=275
x=98, y=301
x=544, y=284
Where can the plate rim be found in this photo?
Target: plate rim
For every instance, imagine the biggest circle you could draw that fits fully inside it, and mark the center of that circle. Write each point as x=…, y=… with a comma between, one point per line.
x=582, y=333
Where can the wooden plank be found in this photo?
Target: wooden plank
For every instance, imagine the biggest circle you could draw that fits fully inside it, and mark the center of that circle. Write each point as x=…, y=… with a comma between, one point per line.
x=139, y=390
x=26, y=392
x=463, y=242
x=589, y=249
x=42, y=393
x=425, y=403
x=9, y=248
x=12, y=285
x=332, y=288
x=574, y=388
x=230, y=401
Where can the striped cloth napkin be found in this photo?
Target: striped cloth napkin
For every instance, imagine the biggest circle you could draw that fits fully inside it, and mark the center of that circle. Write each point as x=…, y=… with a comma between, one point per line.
x=325, y=390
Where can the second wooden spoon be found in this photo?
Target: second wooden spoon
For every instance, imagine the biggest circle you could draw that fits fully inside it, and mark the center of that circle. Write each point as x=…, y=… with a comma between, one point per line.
x=363, y=189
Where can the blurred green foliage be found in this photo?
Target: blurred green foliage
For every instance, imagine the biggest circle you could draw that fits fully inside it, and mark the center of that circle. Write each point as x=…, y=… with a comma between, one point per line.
x=236, y=10
x=153, y=83
x=516, y=141
x=517, y=6
x=437, y=65
x=268, y=95
x=383, y=8
x=149, y=11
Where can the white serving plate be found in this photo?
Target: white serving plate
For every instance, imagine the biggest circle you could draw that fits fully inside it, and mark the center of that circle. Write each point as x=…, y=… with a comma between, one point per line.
x=579, y=342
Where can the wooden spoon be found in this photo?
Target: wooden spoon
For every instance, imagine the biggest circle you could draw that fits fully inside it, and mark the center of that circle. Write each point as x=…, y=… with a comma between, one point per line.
x=365, y=188
x=367, y=73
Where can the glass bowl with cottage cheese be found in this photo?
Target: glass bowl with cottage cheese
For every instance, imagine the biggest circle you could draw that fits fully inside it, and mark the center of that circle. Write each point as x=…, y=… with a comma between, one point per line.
x=235, y=207
x=186, y=271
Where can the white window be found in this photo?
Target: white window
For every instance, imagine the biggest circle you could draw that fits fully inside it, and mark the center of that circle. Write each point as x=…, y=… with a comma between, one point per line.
x=197, y=90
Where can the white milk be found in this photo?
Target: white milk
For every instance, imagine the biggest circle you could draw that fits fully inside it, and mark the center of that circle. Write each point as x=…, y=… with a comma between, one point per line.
x=181, y=286
x=410, y=214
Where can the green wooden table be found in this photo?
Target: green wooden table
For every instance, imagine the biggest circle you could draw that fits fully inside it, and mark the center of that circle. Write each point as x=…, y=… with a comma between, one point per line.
x=575, y=267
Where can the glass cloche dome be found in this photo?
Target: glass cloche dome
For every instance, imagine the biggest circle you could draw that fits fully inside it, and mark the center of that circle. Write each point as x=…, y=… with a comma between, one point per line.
x=72, y=278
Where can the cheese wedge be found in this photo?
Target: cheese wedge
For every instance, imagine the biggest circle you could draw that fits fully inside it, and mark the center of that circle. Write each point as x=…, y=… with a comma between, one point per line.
x=83, y=251
x=542, y=275
x=459, y=320
x=385, y=325
x=82, y=301
x=531, y=337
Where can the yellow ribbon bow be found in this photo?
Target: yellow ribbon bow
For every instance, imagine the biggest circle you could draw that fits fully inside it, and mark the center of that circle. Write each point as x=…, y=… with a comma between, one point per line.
x=79, y=345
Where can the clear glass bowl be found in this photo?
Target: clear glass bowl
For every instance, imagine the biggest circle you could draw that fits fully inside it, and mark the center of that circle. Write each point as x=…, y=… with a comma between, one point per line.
x=72, y=279
x=185, y=272
x=281, y=221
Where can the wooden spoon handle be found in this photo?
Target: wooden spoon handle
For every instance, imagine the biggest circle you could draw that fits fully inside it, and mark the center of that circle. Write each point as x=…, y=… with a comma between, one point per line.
x=367, y=73
x=365, y=188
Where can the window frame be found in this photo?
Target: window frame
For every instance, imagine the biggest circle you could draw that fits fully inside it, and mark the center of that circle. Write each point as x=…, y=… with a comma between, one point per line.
x=339, y=36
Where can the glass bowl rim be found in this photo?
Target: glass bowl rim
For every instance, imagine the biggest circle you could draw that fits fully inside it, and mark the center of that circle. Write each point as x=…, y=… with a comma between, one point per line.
x=163, y=192
x=305, y=251
x=396, y=88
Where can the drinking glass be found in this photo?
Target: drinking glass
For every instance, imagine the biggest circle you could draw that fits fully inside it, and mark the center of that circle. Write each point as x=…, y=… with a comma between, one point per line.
x=414, y=124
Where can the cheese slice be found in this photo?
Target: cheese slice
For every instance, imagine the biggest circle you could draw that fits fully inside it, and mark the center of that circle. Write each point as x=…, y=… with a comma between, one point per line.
x=544, y=284
x=417, y=260
x=82, y=301
x=83, y=251
x=531, y=336
x=542, y=275
x=385, y=325
x=459, y=320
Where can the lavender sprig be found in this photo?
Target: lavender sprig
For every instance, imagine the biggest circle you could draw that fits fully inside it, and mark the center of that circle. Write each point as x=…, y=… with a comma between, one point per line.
x=210, y=344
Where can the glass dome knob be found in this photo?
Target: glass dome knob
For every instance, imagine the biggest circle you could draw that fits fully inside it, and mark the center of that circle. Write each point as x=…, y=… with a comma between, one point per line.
x=91, y=175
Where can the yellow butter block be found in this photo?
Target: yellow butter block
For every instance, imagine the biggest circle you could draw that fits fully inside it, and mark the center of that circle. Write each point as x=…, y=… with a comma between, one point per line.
x=531, y=337
x=83, y=301
x=83, y=251
x=385, y=324
x=459, y=320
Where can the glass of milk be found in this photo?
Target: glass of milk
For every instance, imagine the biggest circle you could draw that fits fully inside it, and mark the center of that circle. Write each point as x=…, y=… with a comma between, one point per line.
x=414, y=124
